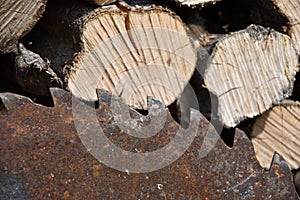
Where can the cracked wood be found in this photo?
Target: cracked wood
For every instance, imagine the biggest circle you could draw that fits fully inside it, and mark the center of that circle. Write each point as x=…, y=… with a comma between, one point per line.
x=250, y=70
x=277, y=130
x=17, y=18
x=134, y=53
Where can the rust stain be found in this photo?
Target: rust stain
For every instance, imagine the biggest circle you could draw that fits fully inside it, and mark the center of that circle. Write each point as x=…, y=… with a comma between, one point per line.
x=43, y=150
x=96, y=169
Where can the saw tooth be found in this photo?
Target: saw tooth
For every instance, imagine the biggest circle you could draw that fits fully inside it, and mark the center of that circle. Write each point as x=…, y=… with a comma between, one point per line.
x=279, y=161
x=103, y=96
x=195, y=115
x=225, y=173
x=128, y=119
x=3, y=110
x=14, y=101
x=119, y=108
x=195, y=118
x=120, y=111
x=152, y=102
x=115, y=102
x=60, y=96
x=284, y=179
x=243, y=143
x=240, y=138
x=157, y=110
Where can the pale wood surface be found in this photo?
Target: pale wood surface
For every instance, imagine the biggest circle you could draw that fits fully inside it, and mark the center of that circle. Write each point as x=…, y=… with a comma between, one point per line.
x=145, y=52
x=101, y=2
x=250, y=70
x=291, y=9
x=195, y=2
x=278, y=130
x=17, y=17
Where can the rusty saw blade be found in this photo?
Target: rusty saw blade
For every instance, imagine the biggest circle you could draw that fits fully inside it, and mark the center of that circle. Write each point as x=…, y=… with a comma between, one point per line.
x=51, y=153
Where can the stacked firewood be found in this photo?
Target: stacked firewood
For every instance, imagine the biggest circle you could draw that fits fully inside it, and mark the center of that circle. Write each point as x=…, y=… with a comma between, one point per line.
x=167, y=50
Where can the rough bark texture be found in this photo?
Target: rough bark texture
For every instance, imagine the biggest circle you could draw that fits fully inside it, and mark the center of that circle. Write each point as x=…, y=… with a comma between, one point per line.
x=55, y=36
x=278, y=130
x=17, y=18
x=249, y=71
x=33, y=73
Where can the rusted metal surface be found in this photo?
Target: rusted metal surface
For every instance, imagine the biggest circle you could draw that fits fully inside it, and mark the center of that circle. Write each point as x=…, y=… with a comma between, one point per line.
x=42, y=153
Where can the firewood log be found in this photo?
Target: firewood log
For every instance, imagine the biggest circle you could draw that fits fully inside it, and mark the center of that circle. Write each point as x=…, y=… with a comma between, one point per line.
x=134, y=52
x=101, y=2
x=275, y=11
x=291, y=9
x=250, y=70
x=17, y=18
x=195, y=2
x=278, y=130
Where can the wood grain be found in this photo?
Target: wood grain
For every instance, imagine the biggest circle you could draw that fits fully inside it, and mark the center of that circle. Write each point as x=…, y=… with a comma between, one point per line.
x=195, y=2
x=134, y=54
x=291, y=9
x=278, y=130
x=101, y=2
x=250, y=70
x=17, y=17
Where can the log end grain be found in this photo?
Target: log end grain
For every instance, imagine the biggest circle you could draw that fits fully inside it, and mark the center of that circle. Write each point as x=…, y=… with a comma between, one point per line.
x=17, y=18
x=101, y=2
x=195, y=2
x=277, y=130
x=291, y=9
x=136, y=54
x=249, y=71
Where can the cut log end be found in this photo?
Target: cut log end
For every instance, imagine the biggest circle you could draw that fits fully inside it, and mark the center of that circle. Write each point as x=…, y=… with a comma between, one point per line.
x=291, y=9
x=277, y=131
x=249, y=71
x=17, y=18
x=101, y=2
x=195, y=2
x=136, y=54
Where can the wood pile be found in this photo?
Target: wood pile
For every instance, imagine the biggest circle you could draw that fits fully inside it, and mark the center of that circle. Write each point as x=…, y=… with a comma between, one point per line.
x=166, y=50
